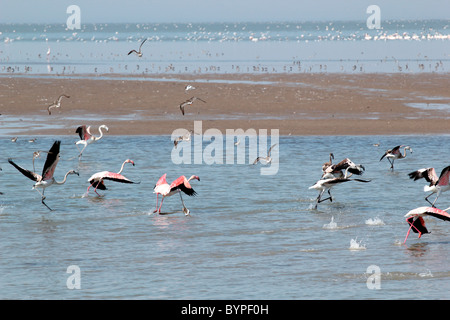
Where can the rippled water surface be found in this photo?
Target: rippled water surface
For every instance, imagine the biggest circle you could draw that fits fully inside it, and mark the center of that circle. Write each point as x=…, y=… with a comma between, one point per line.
x=249, y=236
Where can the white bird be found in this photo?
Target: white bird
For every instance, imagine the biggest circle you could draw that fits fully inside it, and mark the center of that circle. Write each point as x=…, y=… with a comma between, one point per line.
x=186, y=137
x=437, y=184
x=87, y=138
x=395, y=153
x=57, y=103
x=189, y=87
x=326, y=184
x=268, y=158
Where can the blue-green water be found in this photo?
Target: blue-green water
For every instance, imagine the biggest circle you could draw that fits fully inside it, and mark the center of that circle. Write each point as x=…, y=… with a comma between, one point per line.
x=217, y=48
x=249, y=236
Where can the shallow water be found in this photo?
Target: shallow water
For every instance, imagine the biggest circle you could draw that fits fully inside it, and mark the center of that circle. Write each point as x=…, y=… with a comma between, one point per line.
x=249, y=236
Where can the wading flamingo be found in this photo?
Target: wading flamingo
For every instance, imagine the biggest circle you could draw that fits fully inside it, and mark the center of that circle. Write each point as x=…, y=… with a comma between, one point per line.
x=46, y=179
x=395, y=153
x=326, y=184
x=96, y=180
x=87, y=138
x=57, y=103
x=437, y=184
x=166, y=190
x=342, y=169
x=417, y=223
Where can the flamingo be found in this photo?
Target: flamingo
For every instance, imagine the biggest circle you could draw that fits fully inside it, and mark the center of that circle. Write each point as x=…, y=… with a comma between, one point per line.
x=328, y=163
x=87, y=138
x=395, y=153
x=437, y=184
x=46, y=179
x=166, y=190
x=335, y=170
x=57, y=103
x=416, y=221
x=326, y=184
x=267, y=159
x=188, y=103
x=96, y=180
x=138, y=53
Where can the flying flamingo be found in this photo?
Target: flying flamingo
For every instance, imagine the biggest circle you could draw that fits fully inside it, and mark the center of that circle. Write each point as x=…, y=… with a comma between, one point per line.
x=336, y=170
x=138, y=53
x=395, y=153
x=437, y=184
x=57, y=103
x=96, y=180
x=46, y=179
x=166, y=190
x=416, y=221
x=326, y=184
x=87, y=138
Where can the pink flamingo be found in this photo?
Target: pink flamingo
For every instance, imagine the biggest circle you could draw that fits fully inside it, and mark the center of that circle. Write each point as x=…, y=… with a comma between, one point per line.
x=416, y=221
x=47, y=178
x=395, y=153
x=86, y=136
x=437, y=184
x=166, y=190
x=96, y=180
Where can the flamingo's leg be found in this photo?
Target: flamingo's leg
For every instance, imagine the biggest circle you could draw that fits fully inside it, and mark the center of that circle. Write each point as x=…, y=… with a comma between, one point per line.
x=185, y=210
x=437, y=196
x=156, y=209
x=159, y=210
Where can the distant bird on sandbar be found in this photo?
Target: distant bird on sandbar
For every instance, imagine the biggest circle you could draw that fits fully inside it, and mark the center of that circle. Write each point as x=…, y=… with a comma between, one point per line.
x=138, y=53
x=268, y=158
x=395, y=153
x=188, y=103
x=57, y=103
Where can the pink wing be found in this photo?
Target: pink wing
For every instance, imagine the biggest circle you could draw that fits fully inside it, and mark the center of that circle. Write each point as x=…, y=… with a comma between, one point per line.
x=444, y=177
x=438, y=213
x=116, y=177
x=84, y=132
x=182, y=184
x=162, y=180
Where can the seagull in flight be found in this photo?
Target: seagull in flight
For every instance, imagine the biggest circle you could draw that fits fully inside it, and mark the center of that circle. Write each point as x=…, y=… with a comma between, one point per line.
x=57, y=103
x=188, y=103
x=139, y=53
x=267, y=159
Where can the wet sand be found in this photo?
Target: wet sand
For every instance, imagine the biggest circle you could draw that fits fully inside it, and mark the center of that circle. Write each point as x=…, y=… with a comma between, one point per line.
x=300, y=104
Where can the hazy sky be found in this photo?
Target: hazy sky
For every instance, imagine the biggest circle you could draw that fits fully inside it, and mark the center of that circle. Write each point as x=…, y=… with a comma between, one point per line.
x=140, y=11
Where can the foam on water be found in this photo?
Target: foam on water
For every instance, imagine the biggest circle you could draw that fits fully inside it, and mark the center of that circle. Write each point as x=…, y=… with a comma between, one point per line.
x=375, y=222
x=355, y=245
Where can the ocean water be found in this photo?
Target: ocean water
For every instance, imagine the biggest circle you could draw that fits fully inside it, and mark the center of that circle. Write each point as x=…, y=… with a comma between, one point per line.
x=249, y=236
x=217, y=48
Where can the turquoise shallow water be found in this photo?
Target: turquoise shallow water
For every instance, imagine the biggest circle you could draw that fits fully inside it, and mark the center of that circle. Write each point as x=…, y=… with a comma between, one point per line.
x=249, y=236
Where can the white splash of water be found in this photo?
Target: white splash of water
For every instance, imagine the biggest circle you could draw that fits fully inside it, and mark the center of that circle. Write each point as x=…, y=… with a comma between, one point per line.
x=375, y=222
x=331, y=225
x=355, y=245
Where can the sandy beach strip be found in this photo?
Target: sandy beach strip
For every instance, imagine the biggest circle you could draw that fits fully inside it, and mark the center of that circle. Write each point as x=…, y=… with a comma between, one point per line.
x=296, y=104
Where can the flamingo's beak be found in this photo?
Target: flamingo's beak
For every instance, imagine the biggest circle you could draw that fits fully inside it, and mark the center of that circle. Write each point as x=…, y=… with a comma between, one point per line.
x=77, y=173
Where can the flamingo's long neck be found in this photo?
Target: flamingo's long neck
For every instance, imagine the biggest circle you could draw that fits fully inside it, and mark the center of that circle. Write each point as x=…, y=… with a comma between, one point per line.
x=64, y=180
x=101, y=133
x=121, y=168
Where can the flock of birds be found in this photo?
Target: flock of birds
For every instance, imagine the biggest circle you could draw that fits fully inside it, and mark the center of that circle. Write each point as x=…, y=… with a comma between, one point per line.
x=332, y=174
x=336, y=174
